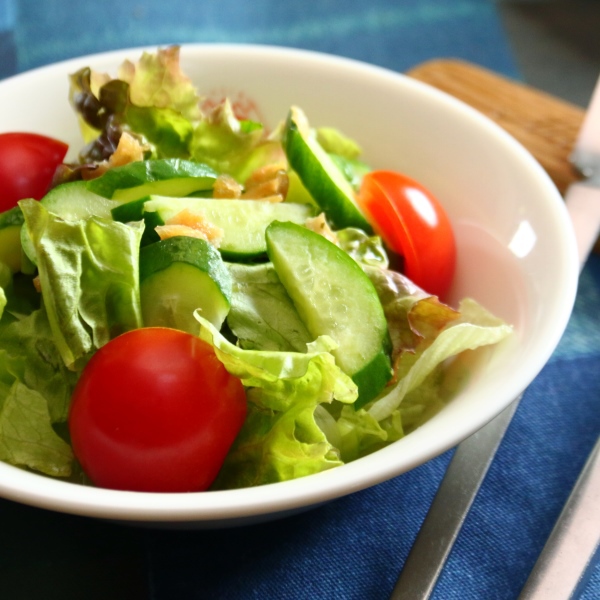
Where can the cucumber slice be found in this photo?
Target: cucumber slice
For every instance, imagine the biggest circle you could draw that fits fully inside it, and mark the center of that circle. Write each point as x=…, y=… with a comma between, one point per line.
x=334, y=297
x=167, y=177
x=130, y=211
x=71, y=201
x=74, y=201
x=178, y=276
x=243, y=221
x=320, y=175
x=10, y=238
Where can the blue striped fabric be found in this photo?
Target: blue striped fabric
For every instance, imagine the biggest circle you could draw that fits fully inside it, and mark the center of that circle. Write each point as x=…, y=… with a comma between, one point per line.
x=352, y=548
x=8, y=54
x=394, y=34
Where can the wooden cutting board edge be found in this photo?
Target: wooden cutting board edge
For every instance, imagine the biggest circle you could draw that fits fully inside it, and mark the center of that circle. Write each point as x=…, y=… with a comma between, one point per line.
x=547, y=126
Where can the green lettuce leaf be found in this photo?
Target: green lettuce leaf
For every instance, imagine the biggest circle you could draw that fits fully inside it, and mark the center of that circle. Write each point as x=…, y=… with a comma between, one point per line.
x=226, y=143
x=89, y=276
x=168, y=131
x=27, y=438
x=161, y=131
x=276, y=446
x=157, y=103
x=153, y=99
x=353, y=170
x=280, y=439
x=354, y=432
x=28, y=354
x=473, y=328
x=345, y=153
x=333, y=141
x=425, y=333
x=262, y=315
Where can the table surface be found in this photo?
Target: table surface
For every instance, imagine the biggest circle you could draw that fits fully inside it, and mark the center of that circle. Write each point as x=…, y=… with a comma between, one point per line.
x=352, y=548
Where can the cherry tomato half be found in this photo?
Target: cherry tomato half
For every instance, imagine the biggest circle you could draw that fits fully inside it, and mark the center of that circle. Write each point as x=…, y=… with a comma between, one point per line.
x=27, y=164
x=413, y=224
x=155, y=410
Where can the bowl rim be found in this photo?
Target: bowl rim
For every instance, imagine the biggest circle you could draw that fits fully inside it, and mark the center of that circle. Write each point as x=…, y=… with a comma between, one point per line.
x=279, y=498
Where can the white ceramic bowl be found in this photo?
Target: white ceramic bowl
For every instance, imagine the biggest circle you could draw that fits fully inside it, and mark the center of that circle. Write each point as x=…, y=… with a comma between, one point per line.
x=517, y=252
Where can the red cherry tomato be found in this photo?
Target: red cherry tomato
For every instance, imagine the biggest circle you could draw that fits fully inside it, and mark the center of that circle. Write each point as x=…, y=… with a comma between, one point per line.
x=155, y=410
x=413, y=224
x=27, y=165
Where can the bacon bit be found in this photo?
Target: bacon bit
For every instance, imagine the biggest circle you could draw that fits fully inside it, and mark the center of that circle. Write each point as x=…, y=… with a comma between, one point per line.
x=265, y=173
x=187, y=217
x=191, y=224
x=269, y=190
x=169, y=231
x=273, y=199
x=319, y=225
x=226, y=187
x=267, y=182
x=128, y=150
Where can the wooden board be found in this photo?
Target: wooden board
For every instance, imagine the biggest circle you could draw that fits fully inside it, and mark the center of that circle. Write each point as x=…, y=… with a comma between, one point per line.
x=547, y=126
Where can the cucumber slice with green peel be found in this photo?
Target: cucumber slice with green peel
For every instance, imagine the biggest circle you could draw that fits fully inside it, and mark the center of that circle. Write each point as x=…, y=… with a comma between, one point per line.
x=71, y=201
x=166, y=177
x=243, y=222
x=134, y=211
x=130, y=211
x=334, y=297
x=320, y=175
x=178, y=276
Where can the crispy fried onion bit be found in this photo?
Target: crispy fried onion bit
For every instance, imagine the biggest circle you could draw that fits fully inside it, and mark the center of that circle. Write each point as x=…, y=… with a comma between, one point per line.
x=128, y=150
x=319, y=225
x=269, y=183
x=192, y=224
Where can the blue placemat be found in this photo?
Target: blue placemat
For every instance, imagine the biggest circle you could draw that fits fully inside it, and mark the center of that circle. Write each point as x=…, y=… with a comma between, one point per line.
x=352, y=548
x=395, y=34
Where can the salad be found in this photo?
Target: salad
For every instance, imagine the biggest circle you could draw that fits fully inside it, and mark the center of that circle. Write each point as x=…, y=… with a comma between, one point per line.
x=200, y=303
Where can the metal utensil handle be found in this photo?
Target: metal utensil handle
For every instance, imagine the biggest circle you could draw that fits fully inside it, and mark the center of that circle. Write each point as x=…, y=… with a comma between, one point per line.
x=449, y=508
x=574, y=544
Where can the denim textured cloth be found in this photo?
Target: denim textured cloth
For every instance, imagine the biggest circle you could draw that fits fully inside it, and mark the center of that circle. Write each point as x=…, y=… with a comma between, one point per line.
x=352, y=548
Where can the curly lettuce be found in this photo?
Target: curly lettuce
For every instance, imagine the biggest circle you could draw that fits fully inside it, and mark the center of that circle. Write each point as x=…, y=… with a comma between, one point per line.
x=35, y=393
x=89, y=277
x=425, y=333
x=281, y=438
x=154, y=101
